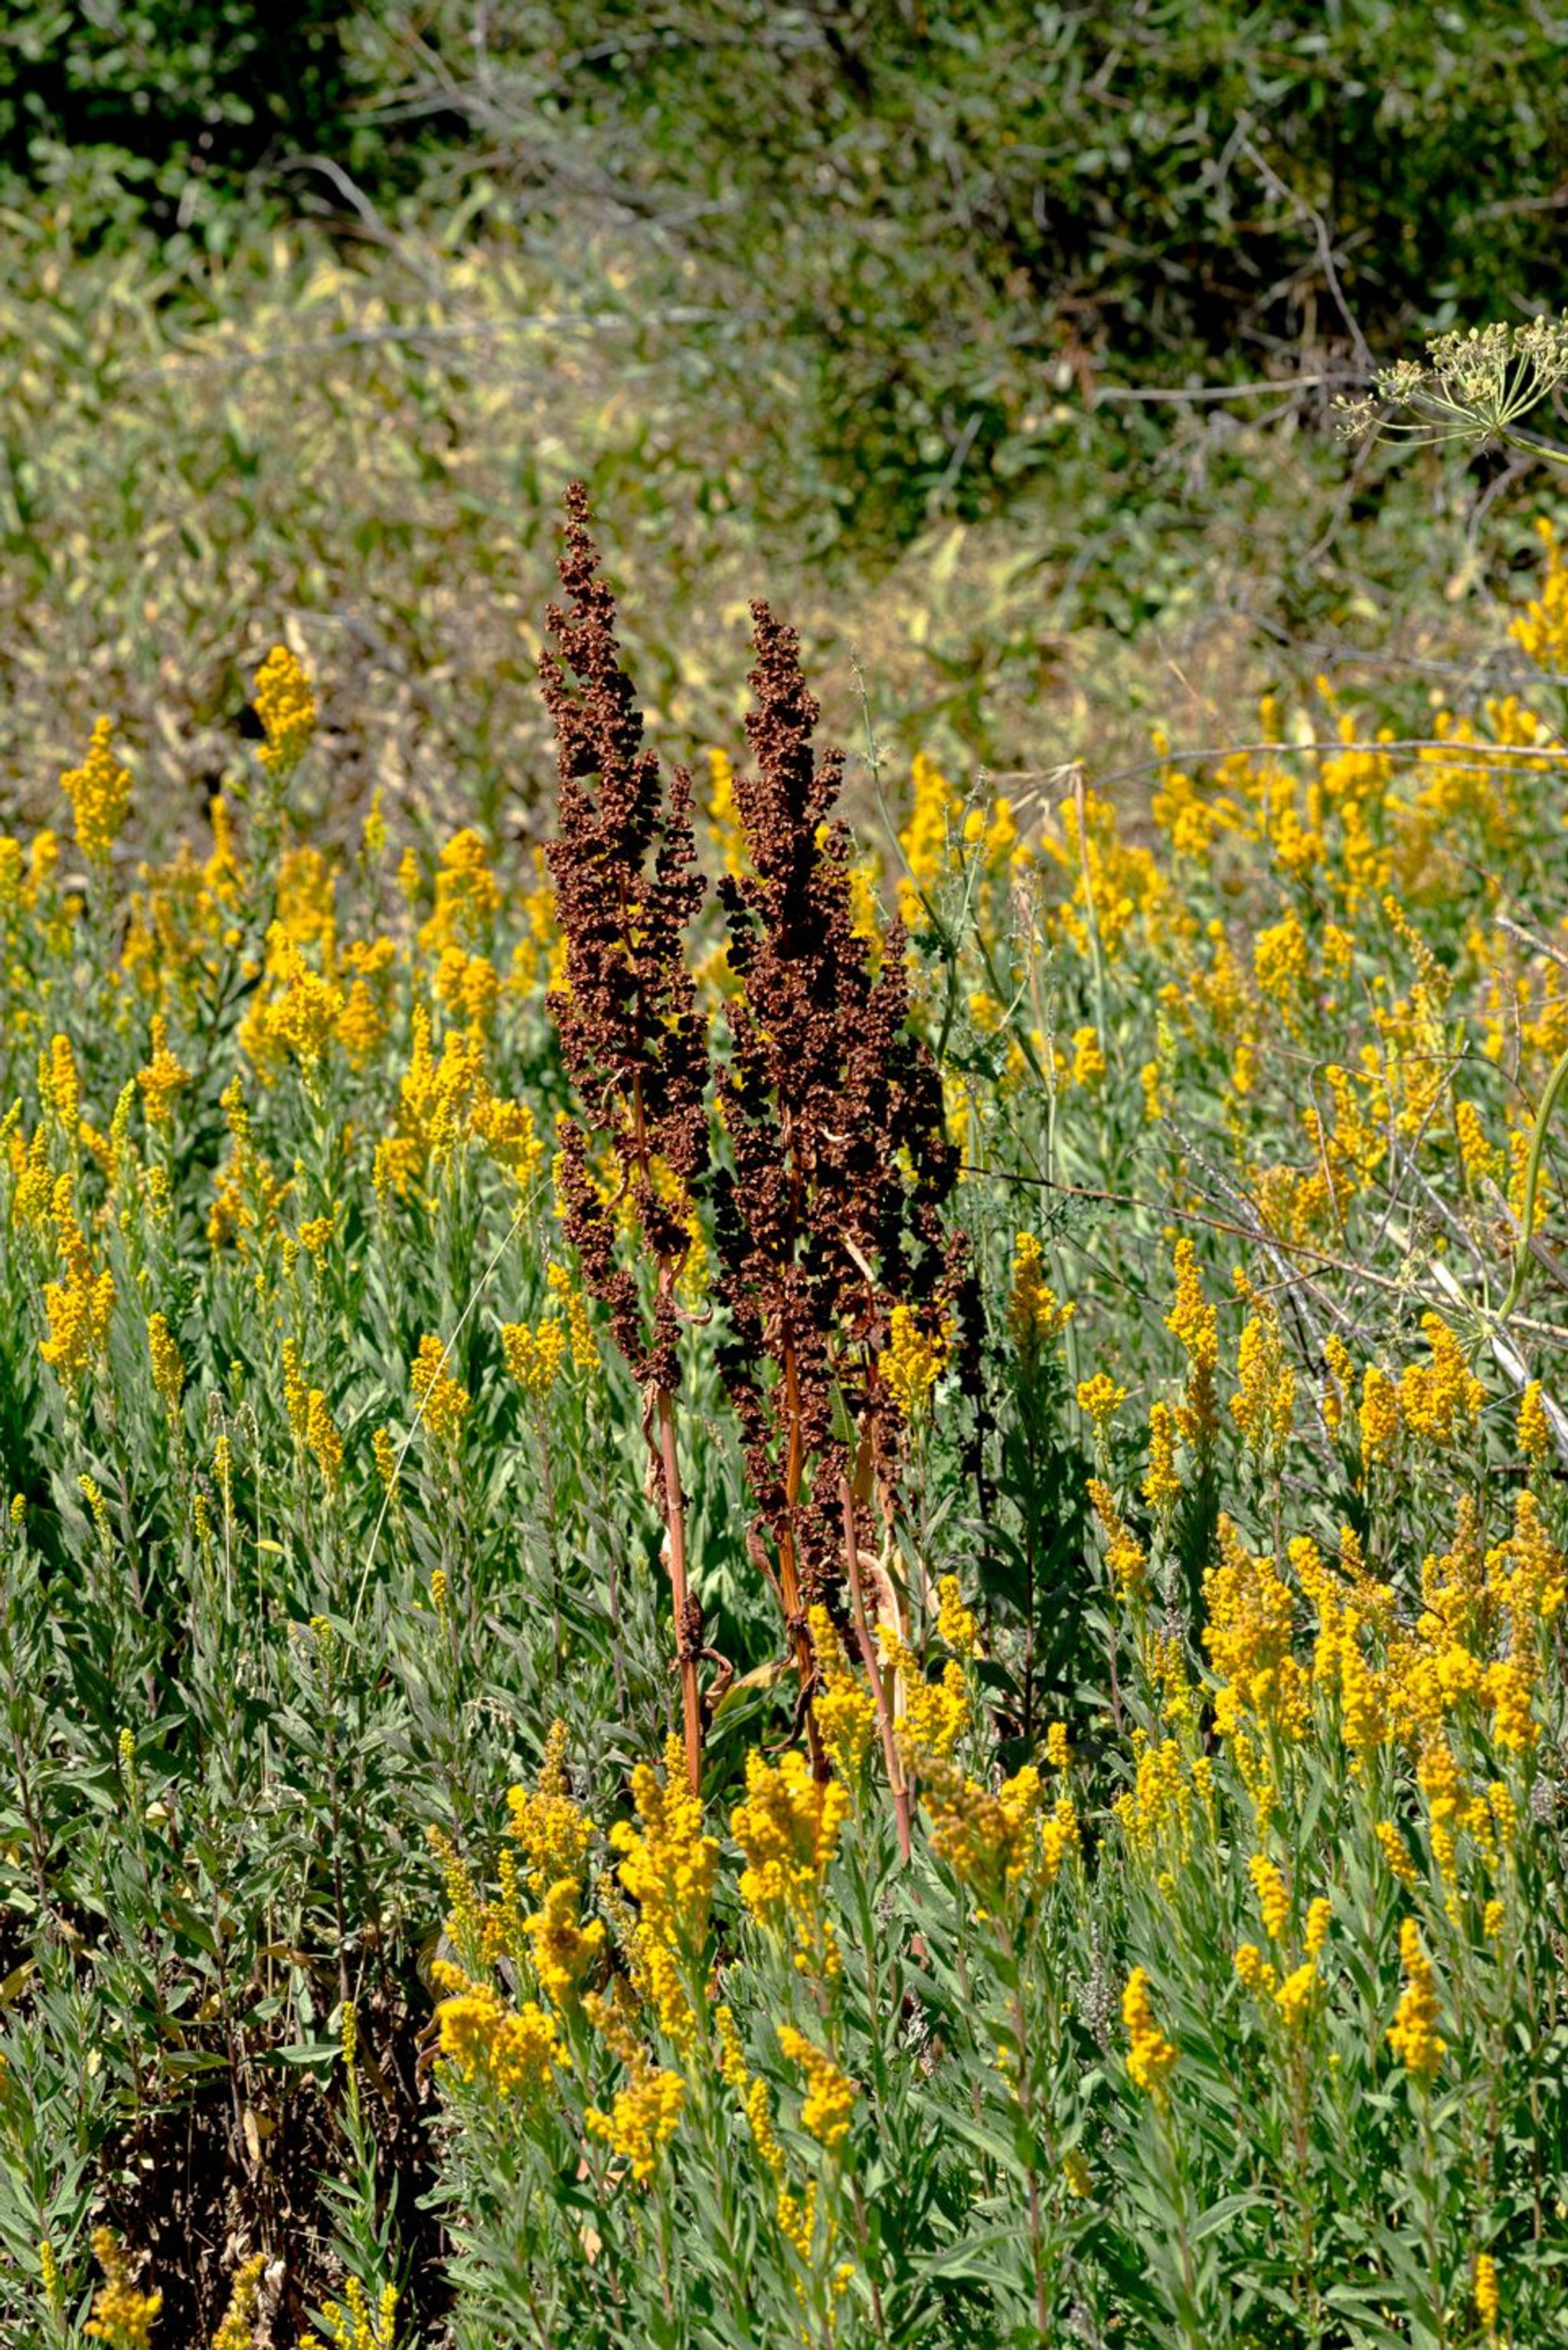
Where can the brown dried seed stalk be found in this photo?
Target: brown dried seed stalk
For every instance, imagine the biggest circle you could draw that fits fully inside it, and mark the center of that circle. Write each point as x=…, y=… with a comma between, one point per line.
x=830, y=1212
x=624, y=866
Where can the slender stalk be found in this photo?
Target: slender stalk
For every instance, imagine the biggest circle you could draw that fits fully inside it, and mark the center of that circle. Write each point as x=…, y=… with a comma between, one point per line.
x=896, y=1780
x=687, y=1640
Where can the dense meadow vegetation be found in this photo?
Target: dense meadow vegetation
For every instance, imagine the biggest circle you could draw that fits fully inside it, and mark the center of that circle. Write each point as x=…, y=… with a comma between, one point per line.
x=783, y=1531
x=761, y=1591
x=998, y=342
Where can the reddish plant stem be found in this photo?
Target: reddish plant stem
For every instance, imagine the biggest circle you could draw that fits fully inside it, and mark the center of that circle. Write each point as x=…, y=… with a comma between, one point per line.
x=795, y=1624
x=685, y=1651
x=900, y=1792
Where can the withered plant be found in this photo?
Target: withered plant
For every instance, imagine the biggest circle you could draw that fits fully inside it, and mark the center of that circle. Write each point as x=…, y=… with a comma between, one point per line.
x=623, y=862
x=830, y=1212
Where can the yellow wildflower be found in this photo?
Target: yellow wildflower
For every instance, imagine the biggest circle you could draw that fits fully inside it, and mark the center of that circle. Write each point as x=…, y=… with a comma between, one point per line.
x=482, y=2039
x=1255, y=1971
x=1035, y=1315
x=1162, y=1486
x=443, y=1403
x=829, y=2094
x=935, y=1713
x=668, y=1865
x=1274, y=1897
x=322, y=1439
x=467, y=897
x=1293, y=1997
x=237, y=2330
x=1089, y=1057
x=579, y=1329
x=1379, y=1421
x=1150, y=2055
x=1441, y=1400
x=563, y=1949
x=1264, y=1404
x=79, y=1308
x=1125, y=1554
x=788, y=1830
x=643, y=2119
x=168, y=1370
x=1488, y=2302
x=1413, y=2036
x=162, y=1077
x=913, y=1359
x=1534, y=1426
x=1100, y=1398
x=286, y=708
x=121, y=2317
x=354, y=2326
x=384, y=1452
x=845, y=1709
x=1191, y=1320
x=956, y=1626
x=534, y=1356
x=1319, y=1918
x=554, y=1832
x=99, y=793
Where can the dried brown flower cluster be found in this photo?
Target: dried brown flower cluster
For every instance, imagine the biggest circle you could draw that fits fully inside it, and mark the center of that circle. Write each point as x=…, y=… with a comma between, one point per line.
x=830, y=1212
x=624, y=866
x=828, y=1215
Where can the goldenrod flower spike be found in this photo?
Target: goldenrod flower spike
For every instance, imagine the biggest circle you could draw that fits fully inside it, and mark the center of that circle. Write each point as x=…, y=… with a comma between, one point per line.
x=122, y=2318
x=99, y=793
x=1151, y=2057
x=286, y=708
x=1413, y=2036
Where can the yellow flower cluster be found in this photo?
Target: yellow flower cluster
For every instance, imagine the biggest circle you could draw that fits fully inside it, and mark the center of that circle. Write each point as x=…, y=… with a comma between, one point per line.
x=81, y=1306
x=515, y=2051
x=467, y=897
x=829, y=2099
x=286, y=708
x=1541, y=631
x=354, y=2325
x=168, y=1369
x=1151, y=2057
x=1413, y=2036
x=996, y=1843
x=533, y=1355
x=1099, y=1400
x=237, y=2329
x=932, y=1715
x=122, y=2318
x=845, y=1708
x=1035, y=1315
x=1248, y=1636
x=788, y=1830
x=99, y=793
x=554, y=1832
x=643, y=2118
x=574, y=1307
x=1125, y=1554
x=913, y=1359
x=957, y=1627
x=564, y=1951
x=1161, y=1484
x=1441, y=1400
x=162, y=1078
x=668, y=1866
x=443, y=1400
x=1264, y=1406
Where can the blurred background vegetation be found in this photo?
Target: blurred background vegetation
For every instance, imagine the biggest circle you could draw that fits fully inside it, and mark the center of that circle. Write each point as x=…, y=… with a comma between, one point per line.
x=995, y=342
